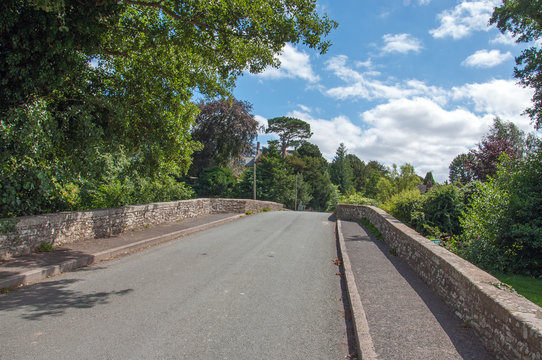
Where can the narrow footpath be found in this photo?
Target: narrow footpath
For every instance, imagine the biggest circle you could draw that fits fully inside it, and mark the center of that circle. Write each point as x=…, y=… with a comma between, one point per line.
x=404, y=318
x=41, y=265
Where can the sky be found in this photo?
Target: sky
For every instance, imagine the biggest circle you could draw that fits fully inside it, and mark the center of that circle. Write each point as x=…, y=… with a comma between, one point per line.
x=405, y=81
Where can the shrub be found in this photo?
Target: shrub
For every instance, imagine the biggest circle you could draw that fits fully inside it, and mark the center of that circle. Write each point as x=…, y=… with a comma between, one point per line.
x=216, y=181
x=442, y=207
x=484, y=222
x=407, y=207
x=372, y=229
x=357, y=199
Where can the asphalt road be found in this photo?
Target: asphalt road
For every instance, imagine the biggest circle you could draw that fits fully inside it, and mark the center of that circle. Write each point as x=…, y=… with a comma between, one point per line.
x=263, y=287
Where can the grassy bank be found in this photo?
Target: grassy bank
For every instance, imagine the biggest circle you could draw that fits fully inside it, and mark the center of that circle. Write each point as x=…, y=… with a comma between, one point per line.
x=527, y=286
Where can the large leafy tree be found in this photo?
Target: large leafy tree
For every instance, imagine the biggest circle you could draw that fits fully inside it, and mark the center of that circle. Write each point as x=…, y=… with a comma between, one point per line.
x=522, y=18
x=216, y=181
x=98, y=77
x=291, y=131
x=226, y=128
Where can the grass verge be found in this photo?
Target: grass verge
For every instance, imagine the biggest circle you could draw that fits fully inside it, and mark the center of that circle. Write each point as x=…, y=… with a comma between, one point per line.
x=527, y=286
x=372, y=229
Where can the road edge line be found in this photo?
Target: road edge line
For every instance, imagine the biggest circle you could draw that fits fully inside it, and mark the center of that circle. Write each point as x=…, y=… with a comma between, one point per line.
x=361, y=327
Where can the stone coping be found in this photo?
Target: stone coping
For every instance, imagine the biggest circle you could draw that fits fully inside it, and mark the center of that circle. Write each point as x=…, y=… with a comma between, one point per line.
x=20, y=236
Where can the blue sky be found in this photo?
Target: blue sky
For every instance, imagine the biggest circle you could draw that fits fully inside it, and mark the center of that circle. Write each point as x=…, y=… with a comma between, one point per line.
x=415, y=81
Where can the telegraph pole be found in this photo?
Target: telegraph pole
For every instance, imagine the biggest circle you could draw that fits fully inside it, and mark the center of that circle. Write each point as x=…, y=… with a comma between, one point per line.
x=254, y=178
x=295, y=203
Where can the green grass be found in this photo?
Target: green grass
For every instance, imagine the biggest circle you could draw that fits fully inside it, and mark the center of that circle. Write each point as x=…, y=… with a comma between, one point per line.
x=527, y=286
x=44, y=247
x=372, y=229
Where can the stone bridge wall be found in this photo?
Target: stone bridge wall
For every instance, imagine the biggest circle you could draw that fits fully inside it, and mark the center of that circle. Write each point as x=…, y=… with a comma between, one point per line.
x=21, y=235
x=509, y=325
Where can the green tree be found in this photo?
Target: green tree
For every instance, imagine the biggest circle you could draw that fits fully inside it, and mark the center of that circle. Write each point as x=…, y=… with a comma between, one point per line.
x=442, y=206
x=428, y=179
x=460, y=171
x=275, y=181
x=522, y=19
x=502, y=225
x=216, y=181
x=98, y=79
x=407, y=179
x=341, y=171
x=407, y=207
x=291, y=131
x=358, y=172
x=307, y=149
x=385, y=189
x=316, y=176
x=371, y=183
x=483, y=222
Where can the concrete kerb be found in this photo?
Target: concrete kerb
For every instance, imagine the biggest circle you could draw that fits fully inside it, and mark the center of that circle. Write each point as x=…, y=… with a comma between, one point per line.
x=364, y=341
x=35, y=275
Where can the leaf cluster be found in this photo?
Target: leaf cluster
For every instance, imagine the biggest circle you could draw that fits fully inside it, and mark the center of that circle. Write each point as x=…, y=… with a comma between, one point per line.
x=522, y=19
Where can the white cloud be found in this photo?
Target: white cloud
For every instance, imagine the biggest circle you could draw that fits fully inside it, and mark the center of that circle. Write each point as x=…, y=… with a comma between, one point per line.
x=424, y=125
x=262, y=122
x=294, y=64
x=400, y=43
x=362, y=85
x=503, y=39
x=466, y=17
x=304, y=108
x=421, y=132
x=328, y=134
x=424, y=2
x=366, y=64
x=486, y=59
x=417, y=131
x=502, y=98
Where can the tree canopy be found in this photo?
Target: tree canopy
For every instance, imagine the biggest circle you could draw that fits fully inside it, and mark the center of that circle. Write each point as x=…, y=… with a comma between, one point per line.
x=109, y=83
x=341, y=170
x=290, y=131
x=226, y=129
x=523, y=20
x=482, y=162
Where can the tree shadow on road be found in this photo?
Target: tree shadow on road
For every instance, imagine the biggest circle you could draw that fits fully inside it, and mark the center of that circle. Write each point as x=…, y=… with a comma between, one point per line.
x=53, y=298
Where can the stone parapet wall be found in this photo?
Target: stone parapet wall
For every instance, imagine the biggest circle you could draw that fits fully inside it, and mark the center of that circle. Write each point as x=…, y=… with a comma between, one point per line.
x=509, y=325
x=21, y=235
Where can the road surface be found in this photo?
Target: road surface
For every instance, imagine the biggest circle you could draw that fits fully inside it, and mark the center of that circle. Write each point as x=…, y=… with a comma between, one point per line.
x=263, y=287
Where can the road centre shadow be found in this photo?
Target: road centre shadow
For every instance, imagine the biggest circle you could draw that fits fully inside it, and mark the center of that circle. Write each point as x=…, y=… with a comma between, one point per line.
x=463, y=338
x=52, y=298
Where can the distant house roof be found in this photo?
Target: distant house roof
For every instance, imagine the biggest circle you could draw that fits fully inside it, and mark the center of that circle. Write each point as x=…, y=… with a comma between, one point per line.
x=248, y=161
